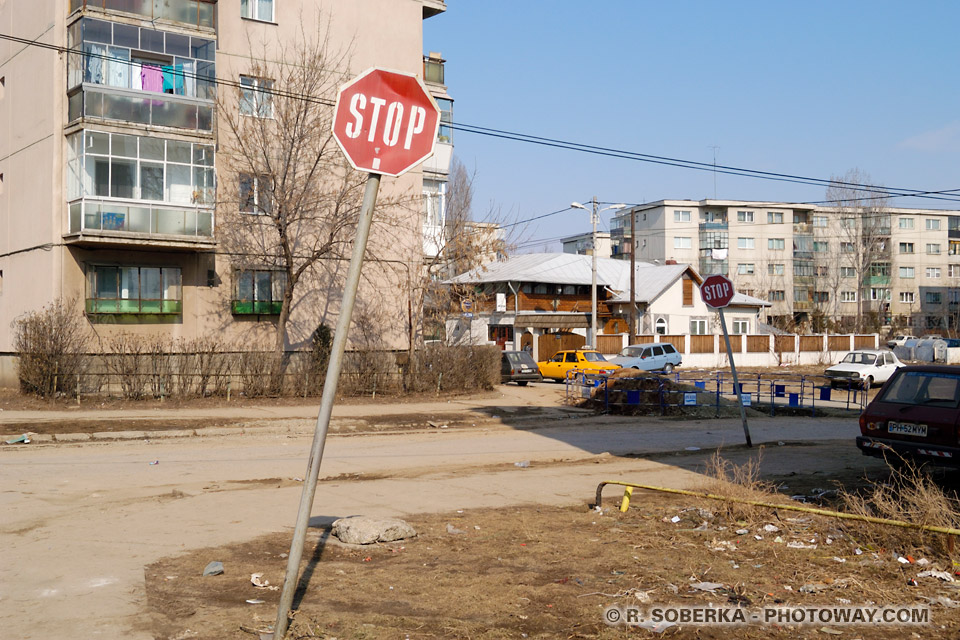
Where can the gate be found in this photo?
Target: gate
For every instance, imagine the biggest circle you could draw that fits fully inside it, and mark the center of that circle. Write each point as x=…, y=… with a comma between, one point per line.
x=548, y=344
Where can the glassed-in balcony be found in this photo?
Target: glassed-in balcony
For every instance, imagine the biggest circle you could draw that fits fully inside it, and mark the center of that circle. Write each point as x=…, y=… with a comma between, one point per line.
x=118, y=218
x=198, y=13
x=433, y=68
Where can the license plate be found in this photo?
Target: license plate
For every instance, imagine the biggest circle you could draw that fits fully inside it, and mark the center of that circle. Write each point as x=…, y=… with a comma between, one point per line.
x=526, y=369
x=907, y=429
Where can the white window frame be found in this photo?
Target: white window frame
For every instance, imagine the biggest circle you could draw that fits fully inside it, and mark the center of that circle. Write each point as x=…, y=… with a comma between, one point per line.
x=774, y=217
x=848, y=296
x=933, y=273
x=908, y=297
x=741, y=327
x=776, y=244
x=256, y=101
x=260, y=204
x=933, y=249
x=745, y=243
x=682, y=215
x=905, y=223
x=744, y=216
x=698, y=327
x=682, y=242
x=932, y=224
x=820, y=221
x=848, y=272
x=746, y=269
x=908, y=272
x=776, y=268
x=906, y=247
x=250, y=9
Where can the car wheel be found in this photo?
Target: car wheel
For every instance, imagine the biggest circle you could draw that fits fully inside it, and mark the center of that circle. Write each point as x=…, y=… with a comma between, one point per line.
x=522, y=383
x=668, y=368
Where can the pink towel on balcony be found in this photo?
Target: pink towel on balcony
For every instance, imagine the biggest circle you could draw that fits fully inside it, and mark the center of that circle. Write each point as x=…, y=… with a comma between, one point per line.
x=152, y=78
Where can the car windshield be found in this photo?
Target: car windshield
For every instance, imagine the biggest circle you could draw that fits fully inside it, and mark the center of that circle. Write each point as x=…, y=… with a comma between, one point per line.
x=593, y=356
x=632, y=352
x=924, y=387
x=855, y=357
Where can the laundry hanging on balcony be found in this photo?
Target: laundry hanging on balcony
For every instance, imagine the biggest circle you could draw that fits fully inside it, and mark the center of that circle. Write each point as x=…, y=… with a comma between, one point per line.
x=718, y=254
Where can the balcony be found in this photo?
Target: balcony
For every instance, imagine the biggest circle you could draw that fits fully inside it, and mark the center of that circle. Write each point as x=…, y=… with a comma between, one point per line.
x=256, y=307
x=93, y=103
x=877, y=281
x=95, y=306
x=433, y=69
x=713, y=226
x=107, y=223
x=197, y=13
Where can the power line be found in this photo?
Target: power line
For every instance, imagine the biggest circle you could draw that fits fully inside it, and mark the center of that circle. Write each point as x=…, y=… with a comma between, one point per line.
x=568, y=145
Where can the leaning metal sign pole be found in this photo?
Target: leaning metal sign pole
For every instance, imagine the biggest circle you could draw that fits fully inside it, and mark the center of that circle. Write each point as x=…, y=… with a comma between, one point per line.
x=378, y=140
x=716, y=292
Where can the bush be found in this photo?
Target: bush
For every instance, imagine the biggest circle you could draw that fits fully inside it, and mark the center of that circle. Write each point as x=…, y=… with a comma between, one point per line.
x=51, y=343
x=446, y=368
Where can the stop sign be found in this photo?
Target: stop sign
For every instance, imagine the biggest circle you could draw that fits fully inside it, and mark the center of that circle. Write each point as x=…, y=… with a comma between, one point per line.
x=385, y=122
x=717, y=291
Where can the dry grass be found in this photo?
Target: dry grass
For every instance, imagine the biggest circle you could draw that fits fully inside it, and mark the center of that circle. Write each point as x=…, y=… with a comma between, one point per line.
x=740, y=482
x=909, y=495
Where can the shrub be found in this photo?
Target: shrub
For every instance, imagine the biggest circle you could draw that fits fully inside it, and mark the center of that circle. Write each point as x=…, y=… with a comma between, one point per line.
x=449, y=368
x=51, y=343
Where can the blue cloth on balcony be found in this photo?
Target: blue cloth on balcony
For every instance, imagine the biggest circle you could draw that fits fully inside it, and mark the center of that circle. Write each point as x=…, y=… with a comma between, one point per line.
x=173, y=79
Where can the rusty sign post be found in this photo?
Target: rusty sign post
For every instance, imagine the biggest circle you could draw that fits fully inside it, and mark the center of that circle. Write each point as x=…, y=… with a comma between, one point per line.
x=717, y=291
x=386, y=123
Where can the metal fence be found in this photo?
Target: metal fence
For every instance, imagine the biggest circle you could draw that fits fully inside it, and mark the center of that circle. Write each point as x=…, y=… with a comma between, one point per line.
x=680, y=393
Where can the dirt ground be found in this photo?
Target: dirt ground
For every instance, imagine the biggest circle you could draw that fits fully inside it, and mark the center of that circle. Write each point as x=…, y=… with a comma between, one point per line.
x=538, y=571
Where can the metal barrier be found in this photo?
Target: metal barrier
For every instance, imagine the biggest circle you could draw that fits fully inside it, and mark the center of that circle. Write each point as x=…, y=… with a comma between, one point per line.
x=767, y=392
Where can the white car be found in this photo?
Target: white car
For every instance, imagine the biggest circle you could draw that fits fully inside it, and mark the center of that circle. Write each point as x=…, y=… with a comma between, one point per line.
x=864, y=367
x=899, y=340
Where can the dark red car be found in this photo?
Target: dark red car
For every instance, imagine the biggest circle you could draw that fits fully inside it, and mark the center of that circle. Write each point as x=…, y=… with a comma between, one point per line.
x=915, y=416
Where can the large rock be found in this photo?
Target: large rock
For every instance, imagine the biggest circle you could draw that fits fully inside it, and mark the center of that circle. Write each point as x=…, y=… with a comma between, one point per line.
x=367, y=530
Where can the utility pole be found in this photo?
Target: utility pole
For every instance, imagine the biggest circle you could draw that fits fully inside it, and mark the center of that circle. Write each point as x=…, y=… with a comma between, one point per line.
x=633, y=277
x=593, y=281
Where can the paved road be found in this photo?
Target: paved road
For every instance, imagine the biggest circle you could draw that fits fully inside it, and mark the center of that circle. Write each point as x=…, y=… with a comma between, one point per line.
x=80, y=521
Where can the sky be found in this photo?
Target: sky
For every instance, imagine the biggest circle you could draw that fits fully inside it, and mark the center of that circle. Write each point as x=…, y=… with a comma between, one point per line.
x=811, y=88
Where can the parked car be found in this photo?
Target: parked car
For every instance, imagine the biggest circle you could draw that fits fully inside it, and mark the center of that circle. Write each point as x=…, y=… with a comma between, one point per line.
x=899, y=340
x=864, y=367
x=649, y=357
x=519, y=367
x=587, y=361
x=915, y=416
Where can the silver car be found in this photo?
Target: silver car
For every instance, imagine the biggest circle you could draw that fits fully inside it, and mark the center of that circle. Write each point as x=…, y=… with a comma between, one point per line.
x=661, y=356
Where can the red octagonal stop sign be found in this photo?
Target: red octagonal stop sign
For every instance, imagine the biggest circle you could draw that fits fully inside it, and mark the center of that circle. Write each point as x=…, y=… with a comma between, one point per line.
x=717, y=291
x=385, y=122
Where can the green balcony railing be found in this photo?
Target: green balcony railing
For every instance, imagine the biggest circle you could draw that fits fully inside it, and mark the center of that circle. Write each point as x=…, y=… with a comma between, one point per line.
x=256, y=307
x=102, y=305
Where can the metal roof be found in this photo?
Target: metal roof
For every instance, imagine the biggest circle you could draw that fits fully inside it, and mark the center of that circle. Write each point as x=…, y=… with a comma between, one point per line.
x=570, y=268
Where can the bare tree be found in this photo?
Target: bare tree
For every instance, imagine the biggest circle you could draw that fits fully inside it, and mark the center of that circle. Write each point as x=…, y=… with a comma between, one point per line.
x=290, y=199
x=459, y=244
x=864, y=236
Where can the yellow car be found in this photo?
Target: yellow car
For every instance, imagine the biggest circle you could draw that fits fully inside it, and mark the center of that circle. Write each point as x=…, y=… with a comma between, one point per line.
x=591, y=362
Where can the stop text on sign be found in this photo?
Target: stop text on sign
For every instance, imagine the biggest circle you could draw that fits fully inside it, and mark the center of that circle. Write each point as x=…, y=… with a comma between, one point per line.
x=361, y=105
x=717, y=291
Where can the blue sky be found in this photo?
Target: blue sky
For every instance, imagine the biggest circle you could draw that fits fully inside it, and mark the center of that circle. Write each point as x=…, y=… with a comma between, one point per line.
x=809, y=88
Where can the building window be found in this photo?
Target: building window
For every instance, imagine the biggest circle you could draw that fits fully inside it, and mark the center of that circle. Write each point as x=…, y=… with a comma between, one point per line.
x=741, y=327
x=848, y=272
x=540, y=289
x=255, y=194
x=774, y=217
x=259, y=292
x=933, y=272
x=687, y=292
x=848, y=222
x=953, y=270
x=776, y=244
x=820, y=221
x=879, y=294
x=802, y=294
x=256, y=98
x=777, y=295
x=682, y=242
x=745, y=243
x=821, y=246
x=907, y=272
x=880, y=270
x=821, y=296
x=823, y=271
x=744, y=216
x=146, y=290
x=698, y=327
x=775, y=269
x=803, y=268
x=933, y=224
x=681, y=216
x=847, y=247
x=906, y=247
x=933, y=249
x=113, y=165
x=257, y=10
x=906, y=223
x=445, y=131
x=745, y=269
x=907, y=297
x=848, y=296
x=661, y=326
x=500, y=333
x=932, y=297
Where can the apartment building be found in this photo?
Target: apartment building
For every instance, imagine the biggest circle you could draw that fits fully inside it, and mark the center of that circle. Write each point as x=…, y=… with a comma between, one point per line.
x=901, y=265
x=582, y=244
x=112, y=192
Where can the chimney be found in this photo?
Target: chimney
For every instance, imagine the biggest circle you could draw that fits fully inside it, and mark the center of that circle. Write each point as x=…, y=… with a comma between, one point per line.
x=671, y=261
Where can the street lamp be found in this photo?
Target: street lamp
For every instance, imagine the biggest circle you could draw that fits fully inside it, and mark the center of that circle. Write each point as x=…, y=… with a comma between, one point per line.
x=593, y=287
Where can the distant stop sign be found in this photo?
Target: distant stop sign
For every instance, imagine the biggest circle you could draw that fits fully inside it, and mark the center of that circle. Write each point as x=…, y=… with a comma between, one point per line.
x=385, y=122
x=717, y=291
